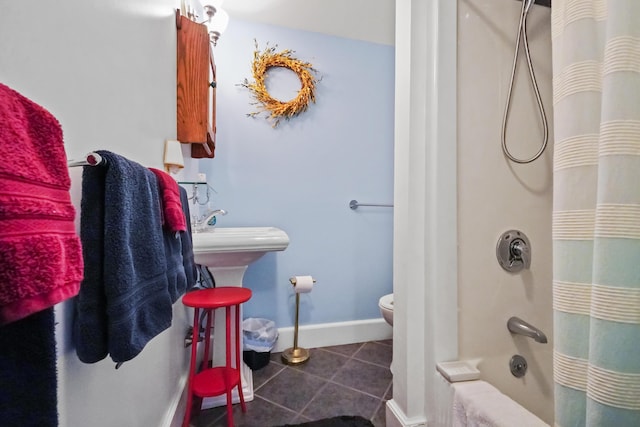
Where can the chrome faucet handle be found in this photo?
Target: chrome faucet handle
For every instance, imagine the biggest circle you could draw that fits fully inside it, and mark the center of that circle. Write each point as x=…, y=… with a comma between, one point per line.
x=513, y=251
x=208, y=219
x=519, y=251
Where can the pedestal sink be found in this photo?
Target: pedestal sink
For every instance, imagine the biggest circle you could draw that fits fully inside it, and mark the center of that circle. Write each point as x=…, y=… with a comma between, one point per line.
x=227, y=252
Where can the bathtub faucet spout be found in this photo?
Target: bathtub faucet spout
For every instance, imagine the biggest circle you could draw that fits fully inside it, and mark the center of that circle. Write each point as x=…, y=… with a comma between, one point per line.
x=519, y=326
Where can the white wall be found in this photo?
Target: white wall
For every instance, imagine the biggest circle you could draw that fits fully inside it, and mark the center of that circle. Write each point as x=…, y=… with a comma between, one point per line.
x=367, y=20
x=106, y=70
x=495, y=195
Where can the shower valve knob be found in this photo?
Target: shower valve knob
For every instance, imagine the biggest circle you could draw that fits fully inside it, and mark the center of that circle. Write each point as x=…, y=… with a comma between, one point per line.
x=519, y=251
x=513, y=251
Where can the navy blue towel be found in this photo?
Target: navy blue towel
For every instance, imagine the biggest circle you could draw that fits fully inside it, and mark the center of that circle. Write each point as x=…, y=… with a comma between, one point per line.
x=176, y=278
x=181, y=268
x=28, y=383
x=187, y=244
x=124, y=300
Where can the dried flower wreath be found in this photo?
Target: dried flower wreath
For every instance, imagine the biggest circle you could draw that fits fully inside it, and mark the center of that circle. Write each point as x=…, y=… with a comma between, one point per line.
x=269, y=58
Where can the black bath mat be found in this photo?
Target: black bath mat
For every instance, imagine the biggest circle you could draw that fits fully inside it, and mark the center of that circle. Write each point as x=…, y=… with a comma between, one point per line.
x=342, y=421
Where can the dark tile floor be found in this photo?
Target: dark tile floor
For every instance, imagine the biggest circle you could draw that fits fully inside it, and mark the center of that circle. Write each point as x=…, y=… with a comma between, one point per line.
x=351, y=379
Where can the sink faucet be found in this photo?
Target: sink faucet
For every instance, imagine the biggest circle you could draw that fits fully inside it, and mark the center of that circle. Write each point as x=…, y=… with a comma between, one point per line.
x=519, y=326
x=209, y=219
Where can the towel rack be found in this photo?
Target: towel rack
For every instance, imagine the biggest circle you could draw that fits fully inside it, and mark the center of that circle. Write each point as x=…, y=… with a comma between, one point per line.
x=92, y=159
x=354, y=205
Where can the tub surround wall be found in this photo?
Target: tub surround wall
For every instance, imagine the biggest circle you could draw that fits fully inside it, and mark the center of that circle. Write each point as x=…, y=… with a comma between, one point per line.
x=495, y=195
x=492, y=196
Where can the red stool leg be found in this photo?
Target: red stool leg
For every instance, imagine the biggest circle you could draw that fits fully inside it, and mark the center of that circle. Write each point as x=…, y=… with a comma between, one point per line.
x=207, y=340
x=228, y=366
x=192, y=367
x=238, y=366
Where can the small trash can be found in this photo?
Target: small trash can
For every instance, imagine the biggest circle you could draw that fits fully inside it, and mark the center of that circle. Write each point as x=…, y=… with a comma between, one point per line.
x=260, y=336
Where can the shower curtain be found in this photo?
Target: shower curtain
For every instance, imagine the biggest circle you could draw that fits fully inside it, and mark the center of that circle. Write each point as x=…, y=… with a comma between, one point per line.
x=596, y=212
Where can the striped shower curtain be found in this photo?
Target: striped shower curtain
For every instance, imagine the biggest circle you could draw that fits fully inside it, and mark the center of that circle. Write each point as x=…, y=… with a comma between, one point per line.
x=596, y=212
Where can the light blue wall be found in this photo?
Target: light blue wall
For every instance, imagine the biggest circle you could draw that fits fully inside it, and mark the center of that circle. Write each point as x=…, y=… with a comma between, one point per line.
x=301, y=176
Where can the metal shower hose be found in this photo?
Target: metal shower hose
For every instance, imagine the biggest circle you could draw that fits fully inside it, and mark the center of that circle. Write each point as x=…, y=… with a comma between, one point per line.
x=522, y=31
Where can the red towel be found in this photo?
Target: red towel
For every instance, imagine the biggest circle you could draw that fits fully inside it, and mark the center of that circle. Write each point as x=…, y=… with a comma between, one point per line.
x=173, y=215
x=40, y=253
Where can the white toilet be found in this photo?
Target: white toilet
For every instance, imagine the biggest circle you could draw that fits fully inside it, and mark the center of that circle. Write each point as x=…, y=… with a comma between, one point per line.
x=386, y=308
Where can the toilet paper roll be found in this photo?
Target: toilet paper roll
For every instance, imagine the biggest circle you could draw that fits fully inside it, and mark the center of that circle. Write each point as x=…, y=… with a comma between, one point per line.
x=304, y=284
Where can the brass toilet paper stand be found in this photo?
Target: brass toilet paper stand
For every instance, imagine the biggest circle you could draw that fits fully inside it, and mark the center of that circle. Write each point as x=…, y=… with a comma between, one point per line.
x=295, y=355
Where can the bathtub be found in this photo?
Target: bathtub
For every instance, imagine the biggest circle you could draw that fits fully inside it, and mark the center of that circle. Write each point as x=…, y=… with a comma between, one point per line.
x=478, y=403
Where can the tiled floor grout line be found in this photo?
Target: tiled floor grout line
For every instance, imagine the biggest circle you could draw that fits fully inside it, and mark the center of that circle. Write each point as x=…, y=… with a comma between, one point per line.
x=223, y=414
x=382, y=401
x=353, y=356
x=328, y=349
x=277, y=404
x=388, y=387
x=359, y=391
x=371, y=363
x=313, y=397
x=283, y=367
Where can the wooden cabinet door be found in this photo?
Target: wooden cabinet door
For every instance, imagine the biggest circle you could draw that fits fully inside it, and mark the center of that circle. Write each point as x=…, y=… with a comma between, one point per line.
x=194, y=106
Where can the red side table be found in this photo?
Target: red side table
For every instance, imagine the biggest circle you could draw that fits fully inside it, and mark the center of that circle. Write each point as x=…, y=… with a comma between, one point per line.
x=217, y=380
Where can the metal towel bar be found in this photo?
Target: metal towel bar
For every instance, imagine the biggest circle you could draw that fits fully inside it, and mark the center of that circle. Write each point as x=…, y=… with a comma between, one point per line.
x=354, y=205
x=92, y=159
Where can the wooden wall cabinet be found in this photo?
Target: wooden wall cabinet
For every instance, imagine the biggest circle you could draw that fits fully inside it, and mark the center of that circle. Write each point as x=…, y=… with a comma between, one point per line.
x=196, y=94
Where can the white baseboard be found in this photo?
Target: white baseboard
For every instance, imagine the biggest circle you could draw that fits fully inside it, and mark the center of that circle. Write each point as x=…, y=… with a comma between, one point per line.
x=339, y=333
x=395, y=417
x=176, y=408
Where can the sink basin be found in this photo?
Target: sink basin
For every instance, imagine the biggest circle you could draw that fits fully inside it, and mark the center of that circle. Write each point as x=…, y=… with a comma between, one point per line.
x=236, y=246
